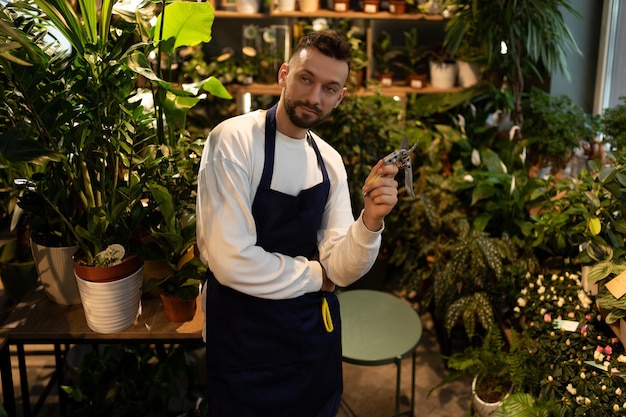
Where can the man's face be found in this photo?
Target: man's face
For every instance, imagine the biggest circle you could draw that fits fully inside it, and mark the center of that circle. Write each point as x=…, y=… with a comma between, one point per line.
x=314, y=86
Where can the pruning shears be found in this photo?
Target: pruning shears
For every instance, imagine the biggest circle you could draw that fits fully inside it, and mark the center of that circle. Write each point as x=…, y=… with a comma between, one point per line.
x=402, y=159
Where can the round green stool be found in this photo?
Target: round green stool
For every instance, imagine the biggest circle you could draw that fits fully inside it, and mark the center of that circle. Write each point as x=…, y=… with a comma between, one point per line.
x=378, y=329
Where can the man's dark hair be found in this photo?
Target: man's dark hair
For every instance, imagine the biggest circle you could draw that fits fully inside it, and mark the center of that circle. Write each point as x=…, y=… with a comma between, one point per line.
x=327, y=42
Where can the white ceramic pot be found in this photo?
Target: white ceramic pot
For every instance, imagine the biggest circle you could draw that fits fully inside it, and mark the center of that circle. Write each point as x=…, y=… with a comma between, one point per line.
x=286, y=5
x=469, y=73
x=482, y=408
x=111, y=306
x=247, y=6
x=442, y=74
x=56, y=272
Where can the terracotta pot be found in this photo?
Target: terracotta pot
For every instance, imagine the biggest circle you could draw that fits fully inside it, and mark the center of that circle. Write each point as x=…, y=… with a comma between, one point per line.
x=308, y=6
x=371, y=6
x=341, y=5
x=127, y=267
x=177, y=310
x=397, y=7
x=385, y=79
x=417, y=80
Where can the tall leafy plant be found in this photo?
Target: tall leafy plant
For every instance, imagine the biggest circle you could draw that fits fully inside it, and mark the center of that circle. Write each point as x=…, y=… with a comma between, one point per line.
x=521, y=37
x=103, y=150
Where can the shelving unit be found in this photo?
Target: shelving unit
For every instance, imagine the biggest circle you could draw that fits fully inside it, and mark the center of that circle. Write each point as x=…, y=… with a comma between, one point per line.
x=242, y=93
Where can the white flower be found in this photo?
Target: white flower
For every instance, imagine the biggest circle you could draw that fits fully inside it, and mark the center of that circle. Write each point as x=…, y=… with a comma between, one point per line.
x=475, y=157
x=561, y=302
x=587, y=401
x=551, y=379
x=570, y=388
x=320, y=24
x=468, y=178
x=615, y=408
x=521, y=302
x=584, y=299
x=582, y=375
x=621, y=358
x=603, y=388
x=618, y=392
x=543, y=311
x=541, y=289
x=598, y=356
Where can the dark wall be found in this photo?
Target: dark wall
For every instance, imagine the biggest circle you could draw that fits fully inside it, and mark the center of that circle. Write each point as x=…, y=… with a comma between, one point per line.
x=582, y=68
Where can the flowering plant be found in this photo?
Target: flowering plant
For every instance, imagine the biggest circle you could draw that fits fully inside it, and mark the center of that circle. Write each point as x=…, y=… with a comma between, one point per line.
x=568, y=349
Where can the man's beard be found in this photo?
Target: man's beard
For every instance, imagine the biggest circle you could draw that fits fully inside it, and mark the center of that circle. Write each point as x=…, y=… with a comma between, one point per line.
x=303, y=122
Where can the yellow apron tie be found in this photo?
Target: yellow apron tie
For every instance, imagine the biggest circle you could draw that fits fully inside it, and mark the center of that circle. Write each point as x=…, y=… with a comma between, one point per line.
x=328, y=320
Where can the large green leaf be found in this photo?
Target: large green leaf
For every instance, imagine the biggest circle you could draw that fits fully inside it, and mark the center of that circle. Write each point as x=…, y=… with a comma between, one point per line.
x=190, y=23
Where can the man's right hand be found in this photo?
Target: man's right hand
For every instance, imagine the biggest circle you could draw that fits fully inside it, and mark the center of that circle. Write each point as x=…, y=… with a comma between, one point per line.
x=327, y=284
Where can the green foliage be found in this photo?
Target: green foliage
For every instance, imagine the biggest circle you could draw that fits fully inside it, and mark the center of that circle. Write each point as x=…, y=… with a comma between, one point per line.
x=491, y=362
x=613, y=125
x=414, y=53
x=385, y=53
x=534, y=32
x=98, y=144
x=133, y=380
x=554, y=126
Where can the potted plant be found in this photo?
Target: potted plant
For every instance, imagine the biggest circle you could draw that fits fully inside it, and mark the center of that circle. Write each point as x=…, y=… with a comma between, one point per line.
x=514, y=24
x=105, y=166
x=397, y=6
x=554, y=127
x=470, y=61
x=173, y=245
x=386, y=55
x=414, y=61
x=613, y=119
x=491, y=366
x=442, y=67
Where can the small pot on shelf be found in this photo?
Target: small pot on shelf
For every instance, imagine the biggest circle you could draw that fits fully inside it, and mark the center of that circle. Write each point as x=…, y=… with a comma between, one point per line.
x=371, y=6
x=397, y=6
x=177, y=310
x=341, y=5
x=385, y=78
x=417, y=81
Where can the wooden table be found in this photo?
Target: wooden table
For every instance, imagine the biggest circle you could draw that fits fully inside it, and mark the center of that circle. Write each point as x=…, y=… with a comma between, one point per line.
x=38, y=321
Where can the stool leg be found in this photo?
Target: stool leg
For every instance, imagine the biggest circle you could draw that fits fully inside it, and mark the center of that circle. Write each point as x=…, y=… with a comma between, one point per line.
x=8, y=391
x=413, y=386
x=398, y=372
x=21, y=360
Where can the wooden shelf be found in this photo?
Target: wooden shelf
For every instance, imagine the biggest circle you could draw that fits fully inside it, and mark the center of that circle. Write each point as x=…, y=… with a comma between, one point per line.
x=257, y=89
x=329, y=14
x=274, y=89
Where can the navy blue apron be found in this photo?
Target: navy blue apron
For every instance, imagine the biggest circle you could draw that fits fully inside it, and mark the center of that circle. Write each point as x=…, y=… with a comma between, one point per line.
x=273, y=358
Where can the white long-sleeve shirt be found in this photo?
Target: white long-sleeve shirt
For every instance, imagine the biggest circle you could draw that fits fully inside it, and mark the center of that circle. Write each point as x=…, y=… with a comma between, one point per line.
x=229, y=175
